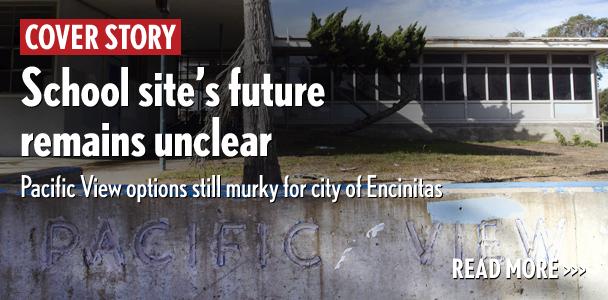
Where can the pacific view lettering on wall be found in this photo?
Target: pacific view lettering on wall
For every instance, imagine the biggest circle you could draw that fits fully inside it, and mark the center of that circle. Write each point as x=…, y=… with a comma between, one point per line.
x=63, y=237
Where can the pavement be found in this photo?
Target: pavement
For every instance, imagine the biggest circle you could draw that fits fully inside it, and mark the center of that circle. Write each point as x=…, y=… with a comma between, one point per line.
x=107, y=171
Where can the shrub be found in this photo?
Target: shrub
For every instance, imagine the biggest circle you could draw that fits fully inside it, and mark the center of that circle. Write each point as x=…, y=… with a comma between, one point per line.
x=577, y=140
x=560, y=138
x=588, y=143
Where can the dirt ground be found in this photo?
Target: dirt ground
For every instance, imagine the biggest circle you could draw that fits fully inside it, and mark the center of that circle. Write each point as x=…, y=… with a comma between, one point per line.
x=341, y=159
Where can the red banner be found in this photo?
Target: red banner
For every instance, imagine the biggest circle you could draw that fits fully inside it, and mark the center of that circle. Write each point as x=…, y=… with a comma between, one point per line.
x=100, y=36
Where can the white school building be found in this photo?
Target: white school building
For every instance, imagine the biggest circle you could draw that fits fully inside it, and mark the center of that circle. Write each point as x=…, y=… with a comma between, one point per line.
x=468, y=89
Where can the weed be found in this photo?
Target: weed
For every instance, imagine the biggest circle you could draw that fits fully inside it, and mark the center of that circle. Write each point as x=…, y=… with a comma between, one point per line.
x=560, y=138
x=577, y=140
x=588, y=143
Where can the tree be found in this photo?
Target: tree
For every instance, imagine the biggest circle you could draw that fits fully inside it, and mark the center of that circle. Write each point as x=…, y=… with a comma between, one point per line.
x=516, y=33
x=257, y=50
x=352, y=46
x=582, y=26
x=254, y=56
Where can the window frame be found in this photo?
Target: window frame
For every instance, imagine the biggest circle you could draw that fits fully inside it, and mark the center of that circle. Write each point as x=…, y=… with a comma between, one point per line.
x=15, y=46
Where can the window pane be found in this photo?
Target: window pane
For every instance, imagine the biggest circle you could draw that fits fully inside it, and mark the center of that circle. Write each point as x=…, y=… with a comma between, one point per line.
x=34, y=12
x=280, y=60
x=11, y=63
x=5, y=81
x=366, y=81
x=16, y=36
x=431, y=84
x=442, y=58
x=528, y=58
x=322, y=76
x=279, y=74
x=388, y=86
x=6, y=15
x=476, y=83
x=519, y=83
x=561, y=84
x=298, y=60
x=582, y=83
x=486, y=58
x=540, y=83
x=6, y=35
x=5, y=59
x=454, y=89
x=497, y=83
x=570, y=59
x=411, y=82
x=298, y=74
x=343, y=90
x=24, y=61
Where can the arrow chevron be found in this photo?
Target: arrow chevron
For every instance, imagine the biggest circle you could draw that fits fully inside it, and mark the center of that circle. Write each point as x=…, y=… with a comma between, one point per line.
x=583, y=271
x=574, y=271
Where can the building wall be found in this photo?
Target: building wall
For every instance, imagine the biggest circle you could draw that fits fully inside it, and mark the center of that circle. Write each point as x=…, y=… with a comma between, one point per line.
x=550, y=100
x=16, y=118
x=103, y=69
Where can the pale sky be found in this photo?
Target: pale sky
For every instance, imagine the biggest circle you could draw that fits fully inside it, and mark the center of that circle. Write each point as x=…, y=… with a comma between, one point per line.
x=493, y=18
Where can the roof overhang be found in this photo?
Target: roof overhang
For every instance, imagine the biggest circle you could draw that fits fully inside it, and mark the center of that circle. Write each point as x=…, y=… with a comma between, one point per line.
x=518, y=44
x=596, y=45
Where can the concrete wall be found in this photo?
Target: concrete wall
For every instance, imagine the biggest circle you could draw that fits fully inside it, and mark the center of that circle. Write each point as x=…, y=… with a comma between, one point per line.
x=106, y=249
x=482, y=132
x=414, y=123
x=485, y=132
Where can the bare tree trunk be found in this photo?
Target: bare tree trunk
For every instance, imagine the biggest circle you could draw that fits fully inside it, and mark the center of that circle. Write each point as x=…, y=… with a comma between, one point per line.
x=257, y=54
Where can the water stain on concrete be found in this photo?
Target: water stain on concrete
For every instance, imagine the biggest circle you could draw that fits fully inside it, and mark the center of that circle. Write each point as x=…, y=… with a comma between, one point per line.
x=474, y=210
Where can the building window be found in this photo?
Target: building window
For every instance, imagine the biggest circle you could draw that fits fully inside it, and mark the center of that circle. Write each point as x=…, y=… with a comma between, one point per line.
x=431, y=84
x=488, y=76
x=486, y=58
x=453, y=84
x=582, y=83
x=449, y=58
x=298, y=74
x=343, y=85
x=279, y=74
x=561, y=84
x=540, y=83
x=528, y=58
x=410, y=80
x=298, y=60
x=322, y=75
x=569, y=59
x=366, y=82
x=497, y=83
x=11, y=63
x=476, y=83
x=519, y=83
x=388, y=86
